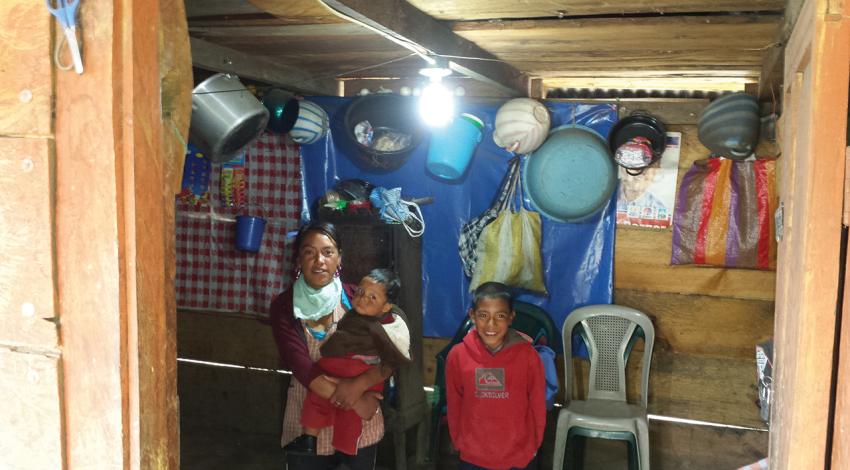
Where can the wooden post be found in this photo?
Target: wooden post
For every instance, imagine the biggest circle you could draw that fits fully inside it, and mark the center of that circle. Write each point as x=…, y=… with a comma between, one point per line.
x=112, y=233
x=817, y=61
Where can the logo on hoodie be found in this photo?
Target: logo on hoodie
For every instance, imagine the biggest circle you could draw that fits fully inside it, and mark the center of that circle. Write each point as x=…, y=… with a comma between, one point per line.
x=490, y=383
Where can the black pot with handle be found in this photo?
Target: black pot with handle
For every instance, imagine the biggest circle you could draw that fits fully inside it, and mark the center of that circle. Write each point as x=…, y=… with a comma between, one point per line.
x=637, y=141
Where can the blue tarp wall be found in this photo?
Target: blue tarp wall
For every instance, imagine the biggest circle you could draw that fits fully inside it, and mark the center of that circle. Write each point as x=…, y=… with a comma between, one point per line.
x=578, y=257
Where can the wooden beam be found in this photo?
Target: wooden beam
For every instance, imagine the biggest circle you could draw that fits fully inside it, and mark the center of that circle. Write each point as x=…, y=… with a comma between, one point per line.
x=472, y=88
x=421, y=33
x=841, y=423
x=207, y=55
x=770, y=80
x=114, y=261
x=808, y=269
x=91, y=285
x=467, y=10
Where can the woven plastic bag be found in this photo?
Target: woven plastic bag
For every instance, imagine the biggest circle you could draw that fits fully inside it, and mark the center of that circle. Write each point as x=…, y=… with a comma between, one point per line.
x=724, y=214
x=509, y=247
x=470, y=232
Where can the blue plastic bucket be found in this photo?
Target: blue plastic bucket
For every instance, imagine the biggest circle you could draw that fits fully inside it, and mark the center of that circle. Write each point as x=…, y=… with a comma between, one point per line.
x=452, y=146
x=249, y=233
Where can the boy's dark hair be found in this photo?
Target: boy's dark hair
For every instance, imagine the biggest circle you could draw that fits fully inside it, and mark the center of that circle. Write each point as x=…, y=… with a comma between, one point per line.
x=492, y=290
x=325, y=228
x=388, y=279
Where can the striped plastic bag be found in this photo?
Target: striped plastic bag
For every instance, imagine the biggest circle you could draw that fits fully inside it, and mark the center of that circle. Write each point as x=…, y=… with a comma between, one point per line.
x=724, y=214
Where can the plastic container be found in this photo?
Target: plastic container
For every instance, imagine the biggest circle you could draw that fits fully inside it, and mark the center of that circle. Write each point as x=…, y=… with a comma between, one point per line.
x=521, y=125
x=452, y=146
x=571, y=176
x=385, y=114
x=249, y=233
x=311, y=125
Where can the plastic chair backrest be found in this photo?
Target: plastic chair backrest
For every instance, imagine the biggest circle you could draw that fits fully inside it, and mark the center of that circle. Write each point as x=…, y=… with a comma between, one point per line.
x=608, y=332
x=535, y=322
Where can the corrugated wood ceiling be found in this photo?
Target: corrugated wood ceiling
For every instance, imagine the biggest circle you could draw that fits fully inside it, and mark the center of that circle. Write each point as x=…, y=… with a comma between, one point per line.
x=701, y=45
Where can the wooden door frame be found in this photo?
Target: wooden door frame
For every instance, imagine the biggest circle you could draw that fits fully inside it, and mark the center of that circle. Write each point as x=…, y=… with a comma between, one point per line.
x=810, y=187
x=114, y=254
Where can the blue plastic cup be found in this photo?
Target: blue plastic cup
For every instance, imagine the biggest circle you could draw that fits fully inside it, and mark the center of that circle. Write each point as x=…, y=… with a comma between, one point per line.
x=249, y=233
x=452, y=147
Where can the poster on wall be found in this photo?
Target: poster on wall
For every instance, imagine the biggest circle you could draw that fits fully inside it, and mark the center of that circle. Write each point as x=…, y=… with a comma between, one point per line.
x=647, y=199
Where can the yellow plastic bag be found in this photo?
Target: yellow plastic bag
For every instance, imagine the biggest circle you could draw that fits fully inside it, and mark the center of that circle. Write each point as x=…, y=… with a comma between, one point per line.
x=508, y=249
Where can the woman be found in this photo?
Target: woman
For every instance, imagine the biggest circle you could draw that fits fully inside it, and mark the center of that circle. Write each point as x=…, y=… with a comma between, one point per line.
x=301, y=319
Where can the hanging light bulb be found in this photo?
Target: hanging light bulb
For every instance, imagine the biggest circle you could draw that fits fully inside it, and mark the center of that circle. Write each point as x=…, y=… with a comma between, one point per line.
x=436, y=103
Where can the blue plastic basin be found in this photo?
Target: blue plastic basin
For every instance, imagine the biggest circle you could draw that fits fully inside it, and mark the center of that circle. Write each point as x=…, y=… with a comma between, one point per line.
x=571, y=176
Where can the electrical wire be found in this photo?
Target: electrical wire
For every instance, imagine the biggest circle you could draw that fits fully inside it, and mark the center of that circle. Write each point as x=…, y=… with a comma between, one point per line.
x=368, y=67
x=398, y=39
x=417, y=49
x=335, y=75
x=487, y=59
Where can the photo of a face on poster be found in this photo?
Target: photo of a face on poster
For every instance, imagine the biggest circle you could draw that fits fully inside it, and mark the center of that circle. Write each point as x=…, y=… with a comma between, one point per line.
x=647, y=199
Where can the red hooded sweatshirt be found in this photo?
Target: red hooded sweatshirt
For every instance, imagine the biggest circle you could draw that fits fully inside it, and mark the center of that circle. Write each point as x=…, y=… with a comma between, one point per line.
x=496, y=402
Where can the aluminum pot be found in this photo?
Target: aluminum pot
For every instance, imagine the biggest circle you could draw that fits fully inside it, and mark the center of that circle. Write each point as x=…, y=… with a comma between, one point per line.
x=226, y=117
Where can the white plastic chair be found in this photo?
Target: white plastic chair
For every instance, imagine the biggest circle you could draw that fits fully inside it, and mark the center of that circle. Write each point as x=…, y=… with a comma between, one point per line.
x=609, y=331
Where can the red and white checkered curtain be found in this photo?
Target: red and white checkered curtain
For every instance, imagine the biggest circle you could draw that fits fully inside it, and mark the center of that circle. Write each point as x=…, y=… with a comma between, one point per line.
x=211, y=272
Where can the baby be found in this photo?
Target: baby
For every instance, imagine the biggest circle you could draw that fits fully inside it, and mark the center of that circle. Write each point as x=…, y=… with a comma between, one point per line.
x=373, y=332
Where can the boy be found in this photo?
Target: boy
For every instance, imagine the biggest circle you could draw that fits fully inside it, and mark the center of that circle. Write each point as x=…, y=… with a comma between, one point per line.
x=373, y=332
x=495, y=388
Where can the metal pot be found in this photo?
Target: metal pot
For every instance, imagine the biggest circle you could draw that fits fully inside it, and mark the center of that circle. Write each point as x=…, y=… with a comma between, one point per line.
x=730, y=125
x=638, y=125
x=226, y=117
x=283, y=110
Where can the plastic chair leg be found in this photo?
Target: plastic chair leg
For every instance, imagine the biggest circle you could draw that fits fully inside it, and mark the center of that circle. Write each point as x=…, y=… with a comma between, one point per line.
x=561, y=433
x=642, y=438
x=634, y=455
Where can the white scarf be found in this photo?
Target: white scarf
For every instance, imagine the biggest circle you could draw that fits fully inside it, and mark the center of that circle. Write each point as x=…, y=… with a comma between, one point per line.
x=313, y=304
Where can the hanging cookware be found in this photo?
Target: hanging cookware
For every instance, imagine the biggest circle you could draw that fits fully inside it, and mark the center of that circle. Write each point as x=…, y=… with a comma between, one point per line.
x=637, y=141
x=283, y=109
x=571, y=176
x=226, y=117
x=730, y=125
x=381, y=131
x=312, y=123
x=521, y=125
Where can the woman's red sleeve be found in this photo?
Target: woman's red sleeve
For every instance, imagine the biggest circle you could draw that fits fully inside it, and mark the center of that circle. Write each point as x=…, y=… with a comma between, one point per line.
x=291, y=344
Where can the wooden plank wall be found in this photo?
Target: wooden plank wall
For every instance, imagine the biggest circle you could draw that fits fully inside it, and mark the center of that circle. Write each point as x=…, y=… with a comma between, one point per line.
x=85, y=236
x=30, y=420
